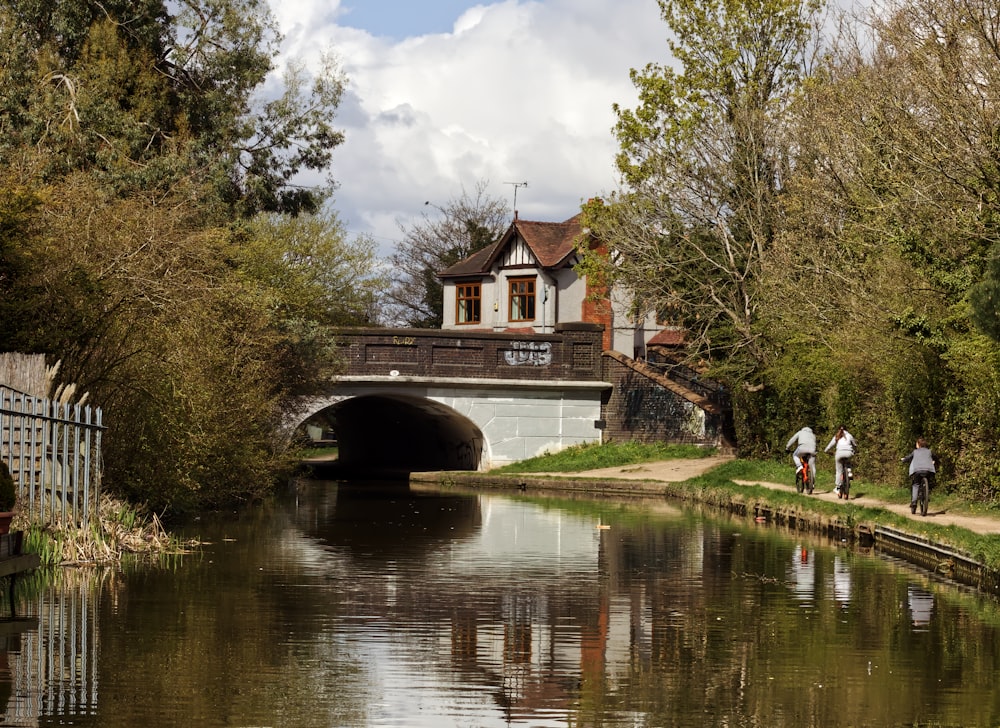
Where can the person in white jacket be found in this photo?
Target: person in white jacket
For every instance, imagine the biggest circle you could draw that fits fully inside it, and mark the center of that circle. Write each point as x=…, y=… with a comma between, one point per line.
x=845, y=445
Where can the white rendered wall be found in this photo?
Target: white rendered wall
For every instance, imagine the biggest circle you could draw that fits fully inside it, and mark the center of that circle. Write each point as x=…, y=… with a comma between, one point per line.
x=518, y=421
x=518, y=426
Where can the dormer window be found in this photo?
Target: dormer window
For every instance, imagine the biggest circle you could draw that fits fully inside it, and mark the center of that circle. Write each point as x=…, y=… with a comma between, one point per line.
x=468, y=303
x=522, y=299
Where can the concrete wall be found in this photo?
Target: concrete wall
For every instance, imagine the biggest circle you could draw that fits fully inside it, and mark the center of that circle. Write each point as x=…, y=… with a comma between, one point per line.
x=518, y=420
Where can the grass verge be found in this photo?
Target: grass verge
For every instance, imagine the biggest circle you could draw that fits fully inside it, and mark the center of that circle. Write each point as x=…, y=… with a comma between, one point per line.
x=593, y=456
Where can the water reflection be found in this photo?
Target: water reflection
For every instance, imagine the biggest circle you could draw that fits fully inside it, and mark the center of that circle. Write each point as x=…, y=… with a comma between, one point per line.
x=387, y=520
x=399, y=607
x=50, y=661
x=921, y=604
x=803, y=575
x=841, y=582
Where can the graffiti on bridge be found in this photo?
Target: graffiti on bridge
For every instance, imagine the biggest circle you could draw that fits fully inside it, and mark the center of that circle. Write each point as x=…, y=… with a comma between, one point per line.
x=529, y=353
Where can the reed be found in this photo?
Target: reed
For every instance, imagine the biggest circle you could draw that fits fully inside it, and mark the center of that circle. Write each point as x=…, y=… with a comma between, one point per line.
x=120, y=530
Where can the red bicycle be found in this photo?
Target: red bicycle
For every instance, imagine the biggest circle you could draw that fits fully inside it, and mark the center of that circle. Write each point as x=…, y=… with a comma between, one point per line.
x=803, y=476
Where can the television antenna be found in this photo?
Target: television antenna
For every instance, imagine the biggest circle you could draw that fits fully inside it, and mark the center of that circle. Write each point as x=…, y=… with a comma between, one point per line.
x=516, y=185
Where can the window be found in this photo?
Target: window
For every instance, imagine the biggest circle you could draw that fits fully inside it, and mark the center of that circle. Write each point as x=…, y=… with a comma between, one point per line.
x=522, y=299
x=468, y=301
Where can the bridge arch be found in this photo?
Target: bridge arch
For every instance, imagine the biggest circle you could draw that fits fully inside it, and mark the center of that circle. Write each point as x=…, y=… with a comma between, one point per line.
x=399, y=432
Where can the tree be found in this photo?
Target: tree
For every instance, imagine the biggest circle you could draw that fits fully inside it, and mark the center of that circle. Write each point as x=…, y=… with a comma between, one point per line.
x=889, y=217
x=308, y=276
x=701, y=160
x=144, y=94
x=164, y=252
x=467, y=224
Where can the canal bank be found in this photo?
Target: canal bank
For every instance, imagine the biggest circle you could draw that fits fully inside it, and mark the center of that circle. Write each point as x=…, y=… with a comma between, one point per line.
x=861, y=523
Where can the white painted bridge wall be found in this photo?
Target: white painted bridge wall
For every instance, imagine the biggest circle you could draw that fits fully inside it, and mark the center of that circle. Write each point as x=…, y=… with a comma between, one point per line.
x=519, y=420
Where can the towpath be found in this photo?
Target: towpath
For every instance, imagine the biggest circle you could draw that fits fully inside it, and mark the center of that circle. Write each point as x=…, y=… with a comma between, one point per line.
x=676, y=471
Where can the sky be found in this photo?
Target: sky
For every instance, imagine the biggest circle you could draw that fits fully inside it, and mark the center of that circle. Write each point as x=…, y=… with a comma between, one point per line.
x=445, y=94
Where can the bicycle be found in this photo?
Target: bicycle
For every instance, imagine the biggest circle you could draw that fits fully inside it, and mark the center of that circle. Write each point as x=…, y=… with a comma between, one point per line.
x=845, y=483
x=923, y=494
x=803, y=476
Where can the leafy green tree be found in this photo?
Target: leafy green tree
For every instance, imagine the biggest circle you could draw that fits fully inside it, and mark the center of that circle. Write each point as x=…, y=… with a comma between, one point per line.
x=889, y=211
x=466, y=224
x=147, y=93
x=701, y=160
x=308, y=277
x=165, y=254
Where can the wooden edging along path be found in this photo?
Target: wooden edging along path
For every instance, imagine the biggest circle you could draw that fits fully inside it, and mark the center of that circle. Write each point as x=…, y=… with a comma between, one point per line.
x=634, y=481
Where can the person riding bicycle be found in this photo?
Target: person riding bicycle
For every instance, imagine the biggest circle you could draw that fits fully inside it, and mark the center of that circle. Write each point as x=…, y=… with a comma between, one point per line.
x=805, y=442
x=845, y=444
x=921, y=462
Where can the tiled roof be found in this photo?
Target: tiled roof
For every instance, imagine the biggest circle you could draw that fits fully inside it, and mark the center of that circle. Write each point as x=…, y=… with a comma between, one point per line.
x=668, y=337
x=550, y=242
x=476, y=264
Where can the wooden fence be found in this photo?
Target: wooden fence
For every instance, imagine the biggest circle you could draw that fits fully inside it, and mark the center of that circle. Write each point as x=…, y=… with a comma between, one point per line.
x=53, y=450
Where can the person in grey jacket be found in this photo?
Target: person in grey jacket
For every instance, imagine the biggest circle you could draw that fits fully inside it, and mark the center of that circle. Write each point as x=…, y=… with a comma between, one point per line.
x=921, y=462
x=845, y=444
x=805, y=444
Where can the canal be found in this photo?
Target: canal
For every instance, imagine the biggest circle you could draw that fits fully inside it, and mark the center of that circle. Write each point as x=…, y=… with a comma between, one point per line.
x=378, y=605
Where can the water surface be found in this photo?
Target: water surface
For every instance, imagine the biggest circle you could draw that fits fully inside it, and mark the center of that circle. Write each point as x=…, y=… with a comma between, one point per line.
x=364, y=605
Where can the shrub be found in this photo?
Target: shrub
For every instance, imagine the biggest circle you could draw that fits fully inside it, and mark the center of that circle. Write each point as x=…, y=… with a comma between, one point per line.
x=8, y=495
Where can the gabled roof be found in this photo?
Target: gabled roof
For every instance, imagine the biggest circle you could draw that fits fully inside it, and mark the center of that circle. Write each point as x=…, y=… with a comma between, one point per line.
x=552, y=243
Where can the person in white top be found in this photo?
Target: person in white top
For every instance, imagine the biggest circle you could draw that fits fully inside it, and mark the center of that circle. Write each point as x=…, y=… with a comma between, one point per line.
x=845, y=445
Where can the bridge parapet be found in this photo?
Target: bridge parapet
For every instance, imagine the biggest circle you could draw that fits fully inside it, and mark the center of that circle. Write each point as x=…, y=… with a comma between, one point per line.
x=573, y=352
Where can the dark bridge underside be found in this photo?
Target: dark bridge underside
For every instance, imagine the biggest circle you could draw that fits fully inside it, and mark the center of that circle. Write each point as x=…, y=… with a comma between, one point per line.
x=380, y=434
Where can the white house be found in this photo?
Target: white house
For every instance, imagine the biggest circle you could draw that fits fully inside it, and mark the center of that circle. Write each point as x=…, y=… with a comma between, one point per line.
x=526, y=280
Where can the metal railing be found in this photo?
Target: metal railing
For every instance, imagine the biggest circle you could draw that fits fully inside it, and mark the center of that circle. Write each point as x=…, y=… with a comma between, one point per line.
x=53, y=452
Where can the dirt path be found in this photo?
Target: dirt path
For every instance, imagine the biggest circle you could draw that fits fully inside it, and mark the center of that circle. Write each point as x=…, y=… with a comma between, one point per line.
x=675, y=471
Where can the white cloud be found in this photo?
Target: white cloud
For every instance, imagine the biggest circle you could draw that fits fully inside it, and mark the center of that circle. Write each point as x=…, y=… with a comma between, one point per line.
x=518, y=91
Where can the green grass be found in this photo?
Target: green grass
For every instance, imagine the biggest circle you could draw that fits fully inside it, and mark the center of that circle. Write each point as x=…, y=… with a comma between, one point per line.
x=593, y=456
x=318, y=452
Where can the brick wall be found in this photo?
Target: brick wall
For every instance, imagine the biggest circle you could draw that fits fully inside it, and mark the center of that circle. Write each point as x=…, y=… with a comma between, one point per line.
x=641, y=409
x=573, y=352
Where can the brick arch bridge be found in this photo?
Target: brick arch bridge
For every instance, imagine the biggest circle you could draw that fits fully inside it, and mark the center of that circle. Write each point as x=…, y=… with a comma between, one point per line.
x=411, y=400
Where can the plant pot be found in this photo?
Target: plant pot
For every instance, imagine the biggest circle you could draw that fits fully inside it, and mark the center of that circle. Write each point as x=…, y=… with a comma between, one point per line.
x=5, y=518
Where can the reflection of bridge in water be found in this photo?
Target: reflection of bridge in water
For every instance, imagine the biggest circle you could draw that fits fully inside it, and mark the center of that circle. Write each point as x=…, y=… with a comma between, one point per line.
x=422, y=400
x=584, y=615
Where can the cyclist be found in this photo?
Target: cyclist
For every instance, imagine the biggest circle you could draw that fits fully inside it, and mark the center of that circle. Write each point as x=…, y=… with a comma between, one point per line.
x=805, y=442
x=845, y=444
x=921, y=462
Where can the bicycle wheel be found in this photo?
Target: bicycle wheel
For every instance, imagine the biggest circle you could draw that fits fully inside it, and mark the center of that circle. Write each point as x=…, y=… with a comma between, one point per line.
x=799, y=484
x=845, y=486
x=923, y=496
x=809, y=481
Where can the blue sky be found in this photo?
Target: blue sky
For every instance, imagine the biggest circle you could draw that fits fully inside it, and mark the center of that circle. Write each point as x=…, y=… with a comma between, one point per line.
x=448, y=94
x=401, y=19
